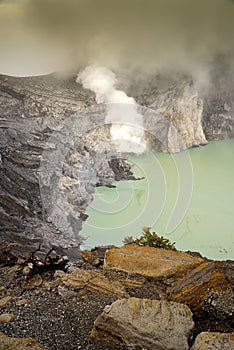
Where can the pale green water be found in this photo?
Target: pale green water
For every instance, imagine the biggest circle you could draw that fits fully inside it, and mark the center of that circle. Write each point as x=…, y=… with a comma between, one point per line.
x=205, y=223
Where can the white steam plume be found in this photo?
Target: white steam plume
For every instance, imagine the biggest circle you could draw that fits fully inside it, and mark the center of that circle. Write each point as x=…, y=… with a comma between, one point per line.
x=127, y=131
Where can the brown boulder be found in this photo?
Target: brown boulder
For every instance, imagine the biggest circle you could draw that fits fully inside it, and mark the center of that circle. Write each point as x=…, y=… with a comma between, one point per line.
x=214, y=341
x=33, y=282
x=145, y=324
x=5, y=318
x=207, y=289
x=95, y=256
x=5, y=300
x=92, y=281
x=150, y=262
x=8, y=343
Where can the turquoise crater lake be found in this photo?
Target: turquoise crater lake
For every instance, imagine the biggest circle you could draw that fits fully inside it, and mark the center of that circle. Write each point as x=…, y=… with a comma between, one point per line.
x=187, y=197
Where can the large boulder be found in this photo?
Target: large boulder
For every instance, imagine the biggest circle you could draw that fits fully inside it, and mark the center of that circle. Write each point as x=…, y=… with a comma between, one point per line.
x=150, y=262
x=208, y=290
x=145, y=324
x=214, y=341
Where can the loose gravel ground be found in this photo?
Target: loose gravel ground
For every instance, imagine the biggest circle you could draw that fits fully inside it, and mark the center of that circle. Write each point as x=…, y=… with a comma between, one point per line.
x=57, y=322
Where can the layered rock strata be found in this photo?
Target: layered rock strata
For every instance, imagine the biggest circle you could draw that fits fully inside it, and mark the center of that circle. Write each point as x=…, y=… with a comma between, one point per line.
x=145, y=324
x=55, y=148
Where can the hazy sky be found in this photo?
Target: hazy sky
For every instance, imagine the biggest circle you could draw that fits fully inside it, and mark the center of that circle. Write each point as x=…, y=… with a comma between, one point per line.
x=39, y=36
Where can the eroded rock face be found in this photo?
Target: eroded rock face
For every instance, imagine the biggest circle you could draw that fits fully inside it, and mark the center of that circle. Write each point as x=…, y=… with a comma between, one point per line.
x=8, y=343
x=92, y=281
x=30, y=109
x=179, y=115
x=214, y=341
x=145, y=324
x=34, y=124
x=218, y=102
x=149, y=261
x=208, y=290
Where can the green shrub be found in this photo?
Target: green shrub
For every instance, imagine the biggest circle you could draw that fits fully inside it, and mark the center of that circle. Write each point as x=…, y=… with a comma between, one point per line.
x=151, y=239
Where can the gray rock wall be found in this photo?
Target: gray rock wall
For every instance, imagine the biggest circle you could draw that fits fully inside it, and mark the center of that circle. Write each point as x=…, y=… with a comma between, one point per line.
x=55, y=122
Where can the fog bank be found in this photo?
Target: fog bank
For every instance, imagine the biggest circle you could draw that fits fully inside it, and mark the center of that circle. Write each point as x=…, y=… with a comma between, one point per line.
x=133, y=37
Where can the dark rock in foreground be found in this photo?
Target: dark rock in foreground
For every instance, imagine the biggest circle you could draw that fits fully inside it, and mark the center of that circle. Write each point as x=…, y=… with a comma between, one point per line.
x=208, y=290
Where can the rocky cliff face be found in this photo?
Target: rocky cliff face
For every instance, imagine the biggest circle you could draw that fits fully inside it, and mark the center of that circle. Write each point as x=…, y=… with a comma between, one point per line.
x=178, y=110
x=53, y=133
x=33, y=119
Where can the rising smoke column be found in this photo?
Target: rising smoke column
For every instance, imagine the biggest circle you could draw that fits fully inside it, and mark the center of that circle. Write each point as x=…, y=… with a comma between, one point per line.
x=127, y=131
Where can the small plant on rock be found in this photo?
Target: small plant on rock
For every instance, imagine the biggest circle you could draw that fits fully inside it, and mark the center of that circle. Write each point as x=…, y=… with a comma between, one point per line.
x=151, y=239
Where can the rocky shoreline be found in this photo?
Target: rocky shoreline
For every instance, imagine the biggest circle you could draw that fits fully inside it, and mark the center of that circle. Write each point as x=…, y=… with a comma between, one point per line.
x=119, y=298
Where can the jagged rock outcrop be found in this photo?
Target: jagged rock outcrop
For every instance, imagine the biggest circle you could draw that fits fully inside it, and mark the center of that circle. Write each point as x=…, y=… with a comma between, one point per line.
x=177, y=121
x=218, y=101
x=218, y=117
x=149, y=261
x=31, y=112
x=145, y=324
x=92, y=281
x=208, y=290
x=214, y=341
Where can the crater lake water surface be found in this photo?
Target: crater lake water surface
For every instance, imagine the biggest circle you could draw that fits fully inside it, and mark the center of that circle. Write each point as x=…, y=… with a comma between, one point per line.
x=187, y=197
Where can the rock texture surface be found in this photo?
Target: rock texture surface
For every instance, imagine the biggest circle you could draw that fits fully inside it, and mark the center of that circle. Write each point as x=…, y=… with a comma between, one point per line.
x=218, y=102
x=8, y=343
x=33, y=282
x=92, y=281
x=214, y=341
x=179, y=112
x=208, y=289
x=4, y=318
x=5, y=300
x=96, y=255
x=151, y=262
x=145, y=324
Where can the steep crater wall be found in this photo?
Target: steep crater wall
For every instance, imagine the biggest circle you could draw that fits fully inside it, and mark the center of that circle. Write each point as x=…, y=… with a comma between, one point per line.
x=38, y=114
